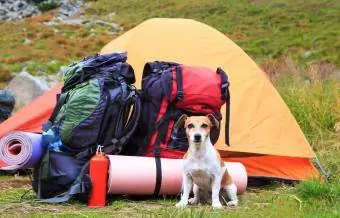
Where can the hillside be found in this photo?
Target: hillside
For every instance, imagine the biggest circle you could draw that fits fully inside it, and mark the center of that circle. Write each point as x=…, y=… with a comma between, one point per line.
x=306, y=31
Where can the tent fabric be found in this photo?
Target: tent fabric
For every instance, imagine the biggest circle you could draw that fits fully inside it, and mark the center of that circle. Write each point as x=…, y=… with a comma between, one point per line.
x=262, y=125
x=277, y=167
x=260, y=120
x=31, y=117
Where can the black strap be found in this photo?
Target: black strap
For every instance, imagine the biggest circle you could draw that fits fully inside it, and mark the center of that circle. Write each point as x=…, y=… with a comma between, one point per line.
x=179, y=79
x=225, y=96
x=157, y=154
x=151, y=132
x=158, y=175
x=161, y=137
x=61, y=99
x=117, y=144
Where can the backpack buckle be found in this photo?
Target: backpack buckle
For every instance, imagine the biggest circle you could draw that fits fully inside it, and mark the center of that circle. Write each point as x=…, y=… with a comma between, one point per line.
x=180, y=95
x=225, y=85
x=157, y=71
x=224, y=90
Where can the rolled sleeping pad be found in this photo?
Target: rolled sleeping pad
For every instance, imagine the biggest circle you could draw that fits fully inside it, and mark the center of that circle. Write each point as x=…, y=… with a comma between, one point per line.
x=20, y=150
x=137, y=175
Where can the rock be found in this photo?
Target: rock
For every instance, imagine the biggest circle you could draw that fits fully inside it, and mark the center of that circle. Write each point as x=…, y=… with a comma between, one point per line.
x=51, y=80
x=25, y=88
x=335, y=75
x=111, y=15
x=17, y=9
x=337, y=127
x=69, y=8
x=67, y=15
x=27, y=41
x=113, y=26
x=309, y=53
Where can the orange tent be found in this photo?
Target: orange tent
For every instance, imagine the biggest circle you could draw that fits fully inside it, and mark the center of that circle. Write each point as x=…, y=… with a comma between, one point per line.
x=31, y=117
x=264, y=135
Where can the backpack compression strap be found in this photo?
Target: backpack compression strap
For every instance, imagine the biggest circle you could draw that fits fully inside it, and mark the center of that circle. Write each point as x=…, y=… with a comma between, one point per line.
x=179, y=79
x=162, y=127
x=225, y=96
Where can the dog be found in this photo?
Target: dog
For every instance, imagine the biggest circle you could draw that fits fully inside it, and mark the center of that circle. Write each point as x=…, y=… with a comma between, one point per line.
x=203, y=169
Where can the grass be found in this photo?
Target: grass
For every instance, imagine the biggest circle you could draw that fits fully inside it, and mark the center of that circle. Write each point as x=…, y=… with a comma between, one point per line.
x=316, y=190
x=295, y=42
x=314, y=99
x=278, y=201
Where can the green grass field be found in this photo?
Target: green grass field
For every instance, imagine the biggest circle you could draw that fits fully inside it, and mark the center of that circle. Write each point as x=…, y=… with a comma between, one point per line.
x=296, y=42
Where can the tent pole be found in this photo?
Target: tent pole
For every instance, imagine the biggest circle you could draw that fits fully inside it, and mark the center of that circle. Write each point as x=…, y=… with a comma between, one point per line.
x=324, y=173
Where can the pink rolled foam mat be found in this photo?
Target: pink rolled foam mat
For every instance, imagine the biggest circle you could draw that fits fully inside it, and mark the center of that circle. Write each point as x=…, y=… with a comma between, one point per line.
x=137, y=175
x=20, y=150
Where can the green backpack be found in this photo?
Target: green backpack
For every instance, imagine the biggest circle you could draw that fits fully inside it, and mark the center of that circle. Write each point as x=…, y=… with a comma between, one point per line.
x=95, y=105
x=98, y=106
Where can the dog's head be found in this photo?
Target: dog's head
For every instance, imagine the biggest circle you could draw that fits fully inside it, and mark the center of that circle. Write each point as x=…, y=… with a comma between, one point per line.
x=198, y=128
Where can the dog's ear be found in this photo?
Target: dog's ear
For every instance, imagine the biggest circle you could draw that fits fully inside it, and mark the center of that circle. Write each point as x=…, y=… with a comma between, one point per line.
x=180, y=122
x=213, y=120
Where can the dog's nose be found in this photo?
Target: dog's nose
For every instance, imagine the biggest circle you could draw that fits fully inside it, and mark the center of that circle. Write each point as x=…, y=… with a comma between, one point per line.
x=197, y=137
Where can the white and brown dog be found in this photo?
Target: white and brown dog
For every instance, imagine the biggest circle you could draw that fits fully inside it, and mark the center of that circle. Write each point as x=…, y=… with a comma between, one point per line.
x=203, y=168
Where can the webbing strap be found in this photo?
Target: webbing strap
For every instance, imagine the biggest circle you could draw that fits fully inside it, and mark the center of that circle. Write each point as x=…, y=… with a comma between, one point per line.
x=161, y=136
x=225, y=96
x=179, y=79
x=61, y=99
x=158, y=175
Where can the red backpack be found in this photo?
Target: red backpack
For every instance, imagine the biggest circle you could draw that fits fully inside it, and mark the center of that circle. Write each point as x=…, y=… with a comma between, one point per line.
x=170, y=90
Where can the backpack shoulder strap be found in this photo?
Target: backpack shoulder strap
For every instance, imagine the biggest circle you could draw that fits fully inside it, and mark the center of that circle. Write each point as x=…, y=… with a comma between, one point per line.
x=225, y=96
x=131, y=125
x=61, y=99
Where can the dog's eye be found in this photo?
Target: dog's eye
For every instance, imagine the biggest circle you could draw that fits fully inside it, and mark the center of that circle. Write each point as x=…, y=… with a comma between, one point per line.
x=204, y=126
x=190, y=126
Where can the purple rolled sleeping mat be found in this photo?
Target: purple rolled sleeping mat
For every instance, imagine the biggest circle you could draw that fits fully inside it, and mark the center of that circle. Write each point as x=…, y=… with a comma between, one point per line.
x=20, y=150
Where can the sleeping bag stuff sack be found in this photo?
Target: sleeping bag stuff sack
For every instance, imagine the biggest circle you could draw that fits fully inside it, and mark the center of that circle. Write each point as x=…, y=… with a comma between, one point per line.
x=170, y=90
x=98, y=106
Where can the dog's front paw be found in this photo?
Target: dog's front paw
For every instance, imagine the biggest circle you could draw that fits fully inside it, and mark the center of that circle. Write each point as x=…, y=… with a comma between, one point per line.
x=181, y=204
x=217, y=205
x=193, y=200
x=232, y=203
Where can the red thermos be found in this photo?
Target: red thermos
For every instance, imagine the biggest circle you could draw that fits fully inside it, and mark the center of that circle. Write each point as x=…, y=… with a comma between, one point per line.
x=99, y=164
